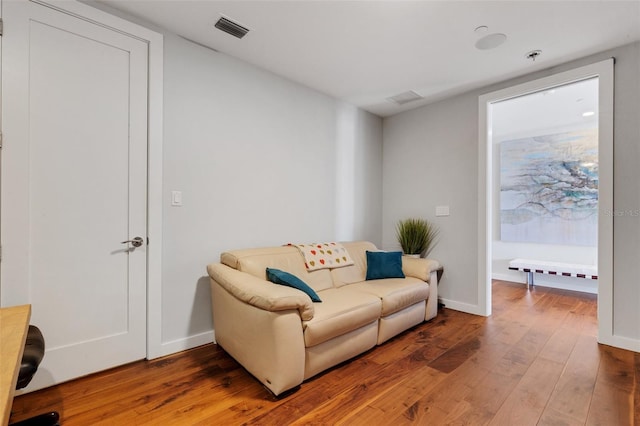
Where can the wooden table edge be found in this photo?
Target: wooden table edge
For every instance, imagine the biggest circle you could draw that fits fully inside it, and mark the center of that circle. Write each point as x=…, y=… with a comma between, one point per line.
x=14, y=323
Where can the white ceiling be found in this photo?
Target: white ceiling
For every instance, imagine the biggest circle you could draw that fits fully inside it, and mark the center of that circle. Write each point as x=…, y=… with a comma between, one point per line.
x=367, y=51
x=550, y=111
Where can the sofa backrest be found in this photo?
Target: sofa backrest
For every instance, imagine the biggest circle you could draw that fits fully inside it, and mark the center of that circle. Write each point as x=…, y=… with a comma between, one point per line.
x=254, y=261
x=358, y=271
x=287, y=258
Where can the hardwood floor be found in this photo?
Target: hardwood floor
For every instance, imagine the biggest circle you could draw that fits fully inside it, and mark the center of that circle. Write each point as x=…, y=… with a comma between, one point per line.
x=534, y=361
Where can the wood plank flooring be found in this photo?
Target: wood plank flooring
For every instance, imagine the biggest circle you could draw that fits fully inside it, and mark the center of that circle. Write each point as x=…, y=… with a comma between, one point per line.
x=535, y=361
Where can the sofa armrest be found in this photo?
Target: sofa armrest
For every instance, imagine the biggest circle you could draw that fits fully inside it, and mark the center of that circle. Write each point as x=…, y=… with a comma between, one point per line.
x=260, y=293
x=268, y=344
x=419, y=268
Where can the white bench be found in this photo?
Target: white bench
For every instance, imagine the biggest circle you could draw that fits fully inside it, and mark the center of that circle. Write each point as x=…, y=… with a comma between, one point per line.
x=531, y=266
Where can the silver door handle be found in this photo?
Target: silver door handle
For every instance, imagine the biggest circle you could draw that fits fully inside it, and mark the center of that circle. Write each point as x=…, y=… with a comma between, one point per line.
x=136, y=242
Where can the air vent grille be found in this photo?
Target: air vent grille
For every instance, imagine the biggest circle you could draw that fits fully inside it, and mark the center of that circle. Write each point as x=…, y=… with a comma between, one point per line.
x=230, y=27
x=405, y=98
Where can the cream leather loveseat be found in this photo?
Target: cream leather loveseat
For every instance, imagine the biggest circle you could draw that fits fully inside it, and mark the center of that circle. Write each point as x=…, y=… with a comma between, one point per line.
x=281, y=337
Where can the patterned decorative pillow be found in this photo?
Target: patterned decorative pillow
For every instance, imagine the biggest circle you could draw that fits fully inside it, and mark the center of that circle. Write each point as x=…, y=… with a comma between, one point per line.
x=324, y=255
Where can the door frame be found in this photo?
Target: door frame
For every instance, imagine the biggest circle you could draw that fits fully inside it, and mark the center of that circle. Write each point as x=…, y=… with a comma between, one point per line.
x=155, y=42
x=604, y=71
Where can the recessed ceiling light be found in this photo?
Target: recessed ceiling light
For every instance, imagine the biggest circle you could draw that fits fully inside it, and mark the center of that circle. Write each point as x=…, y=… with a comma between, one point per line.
x=549, y=92
x=588, y=113
x=481, y=29
x=491, y=41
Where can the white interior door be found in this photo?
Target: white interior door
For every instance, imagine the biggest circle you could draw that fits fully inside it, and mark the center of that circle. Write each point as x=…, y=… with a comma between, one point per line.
x=73, y=187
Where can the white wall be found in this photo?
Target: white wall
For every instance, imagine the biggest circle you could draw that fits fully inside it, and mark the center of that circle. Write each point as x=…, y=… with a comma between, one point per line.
x=260, y=161
x=431, y=158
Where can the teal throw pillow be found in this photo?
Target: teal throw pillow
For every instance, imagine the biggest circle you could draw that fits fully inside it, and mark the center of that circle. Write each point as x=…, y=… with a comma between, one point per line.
x=384, y=264
x=277, y=276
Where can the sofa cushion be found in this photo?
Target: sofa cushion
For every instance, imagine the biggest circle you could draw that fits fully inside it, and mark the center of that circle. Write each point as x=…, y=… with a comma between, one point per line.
x=277, y=276
x=343, y=310
x=395, y=293
x=286, y=258
x=384, y=264
x=358, y=271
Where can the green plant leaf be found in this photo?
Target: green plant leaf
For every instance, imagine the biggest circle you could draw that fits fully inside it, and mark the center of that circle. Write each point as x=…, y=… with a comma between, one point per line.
x=417, y=236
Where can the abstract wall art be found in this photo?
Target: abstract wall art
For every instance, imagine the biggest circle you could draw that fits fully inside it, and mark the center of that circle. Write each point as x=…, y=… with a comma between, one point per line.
x=549, y=189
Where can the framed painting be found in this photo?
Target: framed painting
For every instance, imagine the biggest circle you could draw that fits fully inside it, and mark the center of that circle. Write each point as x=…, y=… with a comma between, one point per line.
x=549, y=189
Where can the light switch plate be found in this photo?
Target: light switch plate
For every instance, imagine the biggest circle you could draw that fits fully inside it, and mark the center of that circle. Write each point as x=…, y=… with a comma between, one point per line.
x=442, y=210
x=176, y=198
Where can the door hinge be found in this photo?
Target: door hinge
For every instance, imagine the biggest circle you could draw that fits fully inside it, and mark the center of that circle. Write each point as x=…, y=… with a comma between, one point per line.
x=0, y=140
x=1, y=27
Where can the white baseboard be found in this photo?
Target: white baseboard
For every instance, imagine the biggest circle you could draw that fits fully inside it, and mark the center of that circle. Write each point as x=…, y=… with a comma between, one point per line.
x=621, y=342
x=506, y=277
x=462, y=307
x=179, y=345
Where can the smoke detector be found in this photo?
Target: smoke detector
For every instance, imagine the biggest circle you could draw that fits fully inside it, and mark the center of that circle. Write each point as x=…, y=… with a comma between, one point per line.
x=490, y=41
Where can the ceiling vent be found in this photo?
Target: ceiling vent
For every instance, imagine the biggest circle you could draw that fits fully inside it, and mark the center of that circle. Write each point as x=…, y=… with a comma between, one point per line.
x=405, y=98
x=230, y=27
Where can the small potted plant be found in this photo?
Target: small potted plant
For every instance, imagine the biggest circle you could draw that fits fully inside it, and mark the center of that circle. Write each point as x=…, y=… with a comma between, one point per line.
x=417, y=237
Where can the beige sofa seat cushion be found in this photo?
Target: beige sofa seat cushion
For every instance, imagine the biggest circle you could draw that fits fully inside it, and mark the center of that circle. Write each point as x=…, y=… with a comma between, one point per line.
x=286, y=258
x=395, y=293
x=341, y=311
x=358, y=271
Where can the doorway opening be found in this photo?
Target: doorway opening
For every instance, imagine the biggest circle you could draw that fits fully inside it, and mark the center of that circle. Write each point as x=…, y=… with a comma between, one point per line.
x=503, y=210
x=545, y=185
